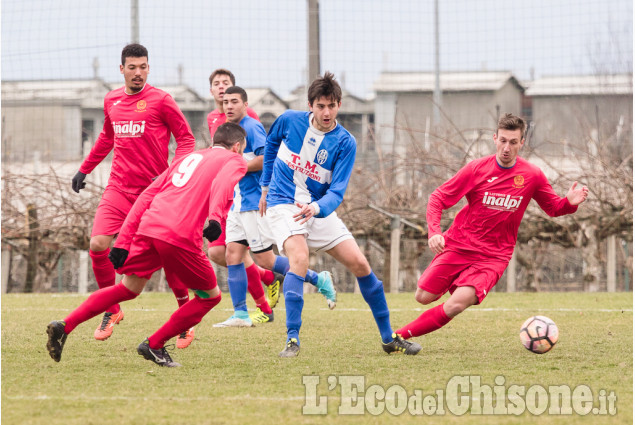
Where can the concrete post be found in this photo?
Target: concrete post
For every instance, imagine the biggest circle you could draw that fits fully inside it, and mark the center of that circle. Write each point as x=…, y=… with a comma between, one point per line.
x=6, y=264
x=611, y=265
x=82, y=281
x=511, y=274
x=395, y=236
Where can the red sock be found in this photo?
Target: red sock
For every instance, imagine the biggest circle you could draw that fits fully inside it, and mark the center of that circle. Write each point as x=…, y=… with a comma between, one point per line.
x=104, y=273
x=188, y=315
x=254, y=285
x=180, y=292
x=263, y=305
x=97, y=303
x=266, y=276
x=431, y=320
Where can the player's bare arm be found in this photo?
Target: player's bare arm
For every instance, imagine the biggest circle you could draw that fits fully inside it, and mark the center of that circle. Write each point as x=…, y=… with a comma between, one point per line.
x=576, y=195
x=255, y=164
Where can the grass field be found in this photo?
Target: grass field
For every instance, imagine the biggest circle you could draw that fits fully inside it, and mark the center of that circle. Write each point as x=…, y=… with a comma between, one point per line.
x=233, y=376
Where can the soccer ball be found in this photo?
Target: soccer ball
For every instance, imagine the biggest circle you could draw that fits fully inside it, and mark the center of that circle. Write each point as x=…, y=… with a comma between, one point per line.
x=539, y=334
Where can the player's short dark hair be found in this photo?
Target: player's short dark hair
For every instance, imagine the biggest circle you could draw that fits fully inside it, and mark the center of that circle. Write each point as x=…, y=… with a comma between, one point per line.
x=236, y=89
x=133, y=50
x=325, y=86
x=222, y=71
x=228, y=134
x=512, y=122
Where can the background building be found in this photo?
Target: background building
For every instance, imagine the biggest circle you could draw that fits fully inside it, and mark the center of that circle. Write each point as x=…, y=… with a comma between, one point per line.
x=583, y=113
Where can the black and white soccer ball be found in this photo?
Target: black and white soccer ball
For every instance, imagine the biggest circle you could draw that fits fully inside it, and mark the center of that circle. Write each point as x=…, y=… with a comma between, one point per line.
x=539, y=334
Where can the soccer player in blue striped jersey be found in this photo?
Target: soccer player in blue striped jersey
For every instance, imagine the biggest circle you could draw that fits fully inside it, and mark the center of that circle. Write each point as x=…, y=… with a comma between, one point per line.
x=308, y=162
x=246, y=228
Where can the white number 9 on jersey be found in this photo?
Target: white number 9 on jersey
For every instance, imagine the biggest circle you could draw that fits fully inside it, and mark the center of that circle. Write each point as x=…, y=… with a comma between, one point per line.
x=186, y=168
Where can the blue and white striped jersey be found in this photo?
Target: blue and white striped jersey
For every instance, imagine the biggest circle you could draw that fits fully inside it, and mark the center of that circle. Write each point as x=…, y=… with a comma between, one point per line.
x=303, y=164
x=247, y=192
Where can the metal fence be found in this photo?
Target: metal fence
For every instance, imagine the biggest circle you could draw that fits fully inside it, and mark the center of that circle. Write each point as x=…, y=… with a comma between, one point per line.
x=424, y=82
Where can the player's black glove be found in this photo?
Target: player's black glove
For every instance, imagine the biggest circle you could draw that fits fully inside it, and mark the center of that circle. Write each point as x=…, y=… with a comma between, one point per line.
x=118, y=256
x=212, y=231
x=78, y=181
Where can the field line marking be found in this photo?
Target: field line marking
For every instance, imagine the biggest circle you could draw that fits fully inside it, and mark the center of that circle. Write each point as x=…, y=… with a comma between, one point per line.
x=475, y=310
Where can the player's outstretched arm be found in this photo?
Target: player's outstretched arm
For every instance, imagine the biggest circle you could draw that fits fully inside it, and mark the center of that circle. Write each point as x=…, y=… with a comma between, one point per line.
x=577, y=195
x=552, y=203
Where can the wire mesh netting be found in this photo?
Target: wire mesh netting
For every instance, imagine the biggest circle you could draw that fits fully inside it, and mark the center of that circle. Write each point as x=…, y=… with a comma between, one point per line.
x=422, y=91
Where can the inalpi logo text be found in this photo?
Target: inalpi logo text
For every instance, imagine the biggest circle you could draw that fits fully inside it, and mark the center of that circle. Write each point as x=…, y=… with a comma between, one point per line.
x=498, y=201
x=129, y=128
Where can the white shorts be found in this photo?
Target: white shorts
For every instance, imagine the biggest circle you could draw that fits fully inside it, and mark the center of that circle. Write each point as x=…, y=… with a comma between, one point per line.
x=321, y=234
x=249, y=226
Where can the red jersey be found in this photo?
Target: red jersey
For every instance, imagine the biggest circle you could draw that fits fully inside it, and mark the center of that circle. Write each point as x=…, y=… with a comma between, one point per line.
x=139, y=127
x=177, y=205
x=216, y=118
x=497, y=199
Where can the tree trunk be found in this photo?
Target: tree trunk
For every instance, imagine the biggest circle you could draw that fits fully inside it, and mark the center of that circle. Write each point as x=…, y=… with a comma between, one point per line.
x=591, y=266
x=31, y=267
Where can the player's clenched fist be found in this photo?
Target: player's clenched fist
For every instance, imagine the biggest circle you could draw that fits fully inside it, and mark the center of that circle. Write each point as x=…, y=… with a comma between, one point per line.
x=78, y=181
x=436, y=244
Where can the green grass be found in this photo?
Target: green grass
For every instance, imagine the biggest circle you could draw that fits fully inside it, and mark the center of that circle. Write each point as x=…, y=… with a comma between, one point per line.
x=233, y=376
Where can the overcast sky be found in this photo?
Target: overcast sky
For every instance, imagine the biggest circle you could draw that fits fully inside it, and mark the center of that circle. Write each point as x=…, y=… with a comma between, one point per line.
x=264, y=41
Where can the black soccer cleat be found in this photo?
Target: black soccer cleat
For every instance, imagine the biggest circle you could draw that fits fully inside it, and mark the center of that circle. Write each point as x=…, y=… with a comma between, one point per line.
x=159, y=356
x=57, y=338
x=401, y=346
x=291, y=350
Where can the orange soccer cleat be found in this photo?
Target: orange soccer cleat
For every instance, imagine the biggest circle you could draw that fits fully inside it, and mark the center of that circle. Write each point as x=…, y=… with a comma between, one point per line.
x=185, y=339
x=109, y=321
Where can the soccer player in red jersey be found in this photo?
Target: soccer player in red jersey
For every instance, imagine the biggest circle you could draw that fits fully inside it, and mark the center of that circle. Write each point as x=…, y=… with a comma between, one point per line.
x=473, y=253
x=219, y=81
x=138, y=121
x=156, y=235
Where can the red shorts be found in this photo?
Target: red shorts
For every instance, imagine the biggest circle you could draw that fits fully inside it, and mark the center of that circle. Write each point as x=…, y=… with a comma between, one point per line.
x=147, y=255
x=452, y=269
x=112, y=211
x=221, y=239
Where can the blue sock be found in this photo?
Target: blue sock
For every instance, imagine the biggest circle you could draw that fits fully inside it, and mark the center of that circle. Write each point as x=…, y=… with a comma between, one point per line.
x=373, y=292
x=311, y=277
x=293, y=299
x=281, y=266
x=237, y=282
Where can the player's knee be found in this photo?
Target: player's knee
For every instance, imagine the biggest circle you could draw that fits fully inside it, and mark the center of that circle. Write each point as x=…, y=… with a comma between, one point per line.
x=425, y=298
x=234, y=254
x=99, y=243
x=211, y=294
x=455, y=307
x=360, y=266
x=217, y=254
x=299, y=261
x=265, y=259
x=134, y=283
